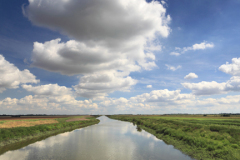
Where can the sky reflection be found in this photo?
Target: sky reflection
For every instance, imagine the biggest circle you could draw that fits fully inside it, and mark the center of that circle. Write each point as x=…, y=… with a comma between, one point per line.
x=110, y=139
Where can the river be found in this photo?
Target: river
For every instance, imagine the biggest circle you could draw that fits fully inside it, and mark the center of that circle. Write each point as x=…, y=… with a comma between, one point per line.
x=108, y=140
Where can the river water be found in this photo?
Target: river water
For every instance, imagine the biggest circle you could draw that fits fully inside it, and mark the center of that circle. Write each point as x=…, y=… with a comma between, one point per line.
x=108, y=140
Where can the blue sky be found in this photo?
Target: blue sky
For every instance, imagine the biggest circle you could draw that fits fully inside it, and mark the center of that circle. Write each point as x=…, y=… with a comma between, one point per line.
x=119, y=56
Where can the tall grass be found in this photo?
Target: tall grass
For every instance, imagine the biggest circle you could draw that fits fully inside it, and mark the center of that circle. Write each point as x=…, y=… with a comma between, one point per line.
x=201, y=139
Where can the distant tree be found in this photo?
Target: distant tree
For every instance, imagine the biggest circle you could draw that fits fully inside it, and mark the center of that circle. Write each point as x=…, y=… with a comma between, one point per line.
x=225, y=115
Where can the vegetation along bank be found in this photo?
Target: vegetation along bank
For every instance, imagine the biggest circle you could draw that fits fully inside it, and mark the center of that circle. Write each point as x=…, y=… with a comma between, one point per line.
x=27, y=129
x=201, y=137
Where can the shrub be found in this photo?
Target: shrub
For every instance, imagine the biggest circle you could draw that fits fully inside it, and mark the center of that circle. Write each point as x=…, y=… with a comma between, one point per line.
x=210, y=148
x=234, y=146
x=215, y=128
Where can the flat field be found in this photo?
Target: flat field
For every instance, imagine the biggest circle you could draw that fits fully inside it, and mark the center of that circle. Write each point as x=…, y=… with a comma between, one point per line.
x=11, y=122
x=202, y=137
x=18, y=129
x=32, y=117
x=25, y=123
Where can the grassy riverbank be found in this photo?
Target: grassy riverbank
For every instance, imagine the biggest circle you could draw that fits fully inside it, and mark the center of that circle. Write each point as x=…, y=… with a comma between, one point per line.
x=20, y=134
x=200, y=137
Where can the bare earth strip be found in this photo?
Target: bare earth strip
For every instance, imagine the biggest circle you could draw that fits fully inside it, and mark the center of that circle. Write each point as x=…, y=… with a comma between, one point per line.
x=25, y=123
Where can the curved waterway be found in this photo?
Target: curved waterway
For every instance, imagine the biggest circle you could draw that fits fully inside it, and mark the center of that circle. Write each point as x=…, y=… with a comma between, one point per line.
x=108, y=140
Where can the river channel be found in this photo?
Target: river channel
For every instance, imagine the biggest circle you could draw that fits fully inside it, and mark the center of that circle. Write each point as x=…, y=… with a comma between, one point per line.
x=108, y=140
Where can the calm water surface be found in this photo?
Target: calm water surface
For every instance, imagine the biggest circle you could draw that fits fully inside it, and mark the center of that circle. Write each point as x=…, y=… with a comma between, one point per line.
x=108, y=140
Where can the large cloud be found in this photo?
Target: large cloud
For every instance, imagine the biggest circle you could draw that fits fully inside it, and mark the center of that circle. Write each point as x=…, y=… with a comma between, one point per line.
x=161, y=96
x=102, y=83
x=59, y=95
x=107, y=22
x=50, y=97
x=109, y=37
x=165, y=101
x=12, y=77
x=54, y=104
x=155, y=101
x=75, y=57
x=233, y=68
x=48, y=89
x=205, y=88
x=104, y=31
x=210, y=88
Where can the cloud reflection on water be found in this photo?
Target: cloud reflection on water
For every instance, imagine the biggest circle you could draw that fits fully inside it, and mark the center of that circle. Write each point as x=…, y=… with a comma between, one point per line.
x=110, y=139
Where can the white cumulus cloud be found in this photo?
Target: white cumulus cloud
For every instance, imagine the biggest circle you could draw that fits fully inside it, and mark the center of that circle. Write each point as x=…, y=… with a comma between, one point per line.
x=103, y=21
x=165, y=101
x=48, y=89
x=103, y=31
x=54, y=104
x=55, y=96
x=12, y=77
x=205, y=88
x=191, y=76
x=210, y=88
x=49, y=97
x=200, y=46
x=102, y=83
x=149, y=86
x=155, y=101
x=233, y=68
x=108, y=37
x=74, y=57
x=161, y=96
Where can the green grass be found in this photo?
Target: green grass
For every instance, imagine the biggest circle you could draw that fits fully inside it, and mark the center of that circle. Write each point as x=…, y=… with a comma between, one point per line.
x=201, y=138
x=17, y=134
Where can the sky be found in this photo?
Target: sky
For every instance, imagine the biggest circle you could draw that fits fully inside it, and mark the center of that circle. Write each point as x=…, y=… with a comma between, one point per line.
x=119, y=57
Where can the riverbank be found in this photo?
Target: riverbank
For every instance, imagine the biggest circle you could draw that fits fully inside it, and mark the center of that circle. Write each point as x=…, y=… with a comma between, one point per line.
x=201, y=138
x=21, y=134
